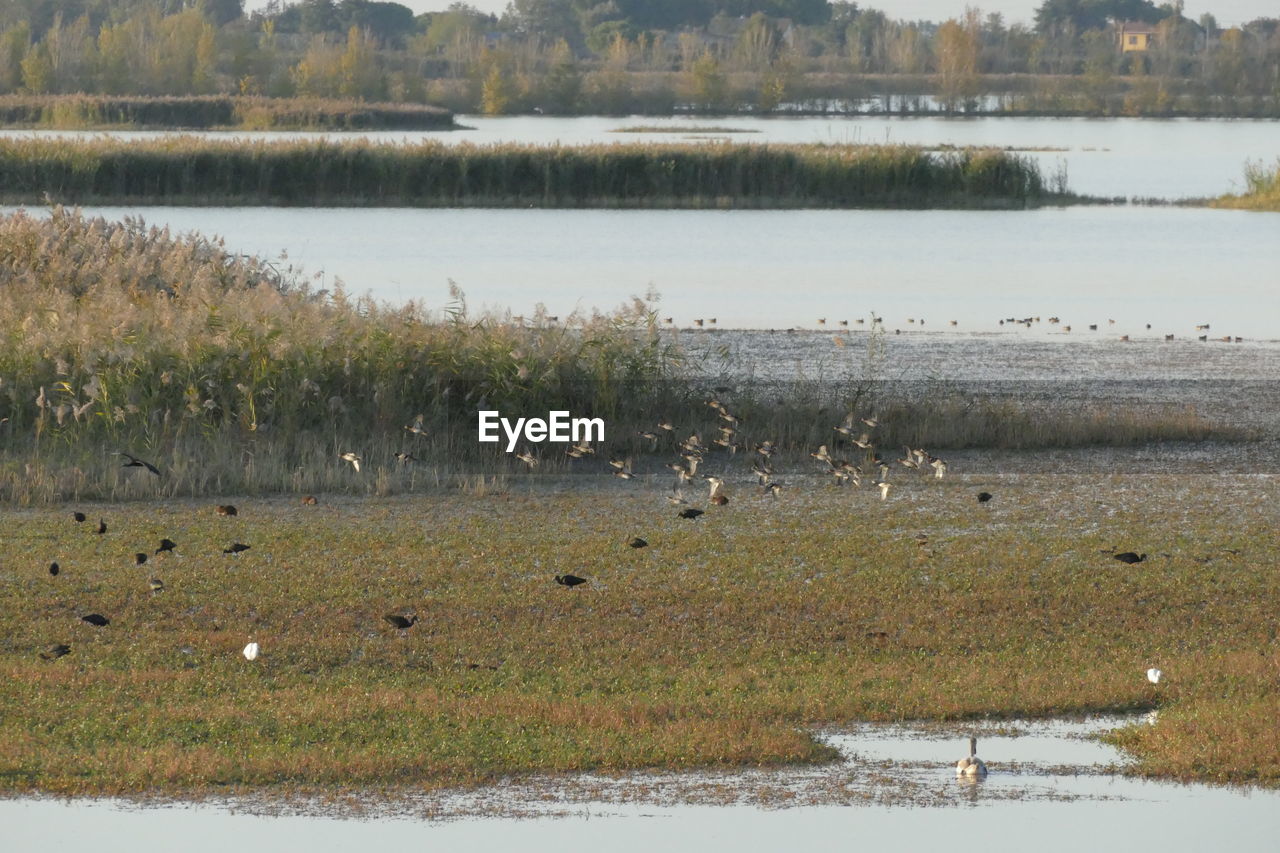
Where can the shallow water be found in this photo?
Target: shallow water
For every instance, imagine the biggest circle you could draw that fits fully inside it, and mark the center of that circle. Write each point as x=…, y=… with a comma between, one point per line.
x=895, y=789
x=1129, y=157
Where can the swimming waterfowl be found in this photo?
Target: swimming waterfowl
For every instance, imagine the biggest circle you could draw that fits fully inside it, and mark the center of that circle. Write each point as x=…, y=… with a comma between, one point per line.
x=971, y=766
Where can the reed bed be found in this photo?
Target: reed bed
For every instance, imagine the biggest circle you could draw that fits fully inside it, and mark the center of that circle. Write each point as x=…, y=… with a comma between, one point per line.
x=1262, y=189
x=192, y=170
x=232, y=377
x=215, y=112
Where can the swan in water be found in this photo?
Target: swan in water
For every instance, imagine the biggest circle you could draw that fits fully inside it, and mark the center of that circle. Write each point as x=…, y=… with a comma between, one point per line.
x=971, y=766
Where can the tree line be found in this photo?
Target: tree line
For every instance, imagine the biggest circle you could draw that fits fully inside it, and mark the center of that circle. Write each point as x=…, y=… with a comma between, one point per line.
x=576, y=56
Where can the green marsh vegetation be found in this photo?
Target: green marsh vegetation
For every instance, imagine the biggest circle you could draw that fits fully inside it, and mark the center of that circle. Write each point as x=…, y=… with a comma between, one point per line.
x=215, y=112
x=720, y=644
x=235, y=379
x=191, y=170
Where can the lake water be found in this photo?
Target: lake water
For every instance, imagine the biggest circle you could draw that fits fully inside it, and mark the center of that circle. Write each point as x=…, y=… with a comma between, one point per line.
x=1127, y=157
x=894, y=789
x=1172, y=268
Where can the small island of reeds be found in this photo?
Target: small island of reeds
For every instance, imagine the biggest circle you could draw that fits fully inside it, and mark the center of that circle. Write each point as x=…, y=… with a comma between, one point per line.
x=1262, y=189
x=201, y=171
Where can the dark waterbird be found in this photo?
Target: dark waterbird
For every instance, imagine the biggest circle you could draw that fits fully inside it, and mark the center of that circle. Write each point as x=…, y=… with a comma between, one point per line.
x=691, y=513
x=637, y=542
x=139, y=558
x=102, y=527
x=401, y=622
x=166, y=545
x=570, y=580
x=226, y=509
x=55, y=651
x=1130, y=557
x=135, y=462
x=983, y=497
x=78, y=516
x=96, y=619
x=236, y=548
x=53, y=569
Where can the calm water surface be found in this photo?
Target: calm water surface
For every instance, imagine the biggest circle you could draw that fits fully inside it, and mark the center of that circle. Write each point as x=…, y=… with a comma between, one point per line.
x=895, y=789
x=1144, y=158
x=1172, y=268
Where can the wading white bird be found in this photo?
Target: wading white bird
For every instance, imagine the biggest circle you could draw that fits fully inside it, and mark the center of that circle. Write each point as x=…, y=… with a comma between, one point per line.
x=971, y=766
x=251, y=651
x=1154, y=675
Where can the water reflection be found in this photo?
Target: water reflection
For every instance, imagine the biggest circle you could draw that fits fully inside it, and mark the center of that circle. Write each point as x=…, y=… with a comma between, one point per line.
x=895, y=789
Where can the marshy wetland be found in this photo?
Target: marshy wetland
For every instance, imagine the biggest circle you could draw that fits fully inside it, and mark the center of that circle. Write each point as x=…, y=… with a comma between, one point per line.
x=734, y=675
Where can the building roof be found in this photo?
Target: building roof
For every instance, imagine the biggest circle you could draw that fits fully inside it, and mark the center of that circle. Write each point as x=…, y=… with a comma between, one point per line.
x=1137, y=28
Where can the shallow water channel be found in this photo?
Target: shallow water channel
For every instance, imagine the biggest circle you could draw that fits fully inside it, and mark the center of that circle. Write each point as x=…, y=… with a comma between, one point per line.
x=1051, y=785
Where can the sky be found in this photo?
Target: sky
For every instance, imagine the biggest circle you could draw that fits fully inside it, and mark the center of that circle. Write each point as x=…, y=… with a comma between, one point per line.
x=1228, y=12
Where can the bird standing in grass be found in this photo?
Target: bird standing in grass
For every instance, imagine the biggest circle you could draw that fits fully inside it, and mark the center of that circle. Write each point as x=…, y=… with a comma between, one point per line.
x=983, y=497
x=226, y=509
x=236, y=548
x=139, y=558
x=1154, y=675
x=570, y=580
x=1130, y=557
x=96, y=619
x=166, y=545
x=637, y=542
x=55, y=651
x=102, y=526
x=156, y=585
x=53, y=569
x=690, y=513
x=78, y=516
x=400, y=622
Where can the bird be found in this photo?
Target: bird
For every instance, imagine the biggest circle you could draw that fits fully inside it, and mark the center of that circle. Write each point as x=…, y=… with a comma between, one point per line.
x=416, y=426
x=400, y=622
x=983, y=497
x=1130, y=557
x=405, y=458
x=309, y=500
x=139, y=558
x=135, y=462
x=570, y=580
x=1154, y=675
x=226, y=509
x=637, y=542
x=53, y=569
x=690, y=513
x=971, y=766
x=352, y=458
x=883, y=485
x=251, y=651
x=96, y=619
x=528, y=458
x=166, y=545
x=102, y=527
x=622, y=469
x=719, y=500
x=78, y=516
x=235, y=549
x=55, y=651
x=156, y=585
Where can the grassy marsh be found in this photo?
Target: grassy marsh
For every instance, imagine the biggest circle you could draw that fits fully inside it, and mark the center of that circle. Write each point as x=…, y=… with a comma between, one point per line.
x=1262, y=189
x=233, y=379
x=201, y=171
x=717, y=645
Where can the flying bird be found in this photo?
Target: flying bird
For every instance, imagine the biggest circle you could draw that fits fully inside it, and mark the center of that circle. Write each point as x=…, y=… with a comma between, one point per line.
x=135, y=462
x=352, y=458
